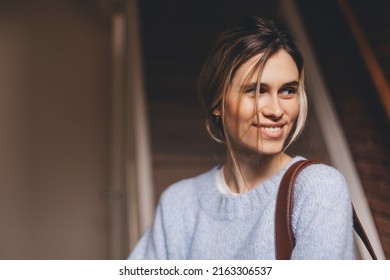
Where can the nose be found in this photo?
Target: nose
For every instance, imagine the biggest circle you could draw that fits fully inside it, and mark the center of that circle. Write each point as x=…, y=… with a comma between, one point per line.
x=271, y=108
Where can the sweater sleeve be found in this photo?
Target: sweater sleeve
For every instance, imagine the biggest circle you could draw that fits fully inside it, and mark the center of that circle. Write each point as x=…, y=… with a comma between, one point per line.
x=322, y=215
x=152, y=245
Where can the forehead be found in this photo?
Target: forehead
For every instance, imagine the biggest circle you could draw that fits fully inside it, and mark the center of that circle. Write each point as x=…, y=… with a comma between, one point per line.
x=279, y=68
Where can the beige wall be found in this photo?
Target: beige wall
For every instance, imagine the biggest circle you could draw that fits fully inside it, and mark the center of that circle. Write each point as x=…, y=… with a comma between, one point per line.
x=54, y=130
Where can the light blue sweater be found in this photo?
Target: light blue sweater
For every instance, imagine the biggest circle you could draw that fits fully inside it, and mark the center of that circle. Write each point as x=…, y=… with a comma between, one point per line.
x=194, y=220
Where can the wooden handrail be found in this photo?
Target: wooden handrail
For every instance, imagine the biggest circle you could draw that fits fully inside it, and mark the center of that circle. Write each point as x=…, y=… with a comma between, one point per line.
x=372, y=64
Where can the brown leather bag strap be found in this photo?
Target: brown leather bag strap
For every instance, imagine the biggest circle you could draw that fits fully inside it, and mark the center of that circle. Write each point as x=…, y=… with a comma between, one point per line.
x=284, y=235
x=362, y=234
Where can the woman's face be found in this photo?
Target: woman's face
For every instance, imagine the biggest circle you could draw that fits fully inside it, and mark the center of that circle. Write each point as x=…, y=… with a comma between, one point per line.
x=263, y=129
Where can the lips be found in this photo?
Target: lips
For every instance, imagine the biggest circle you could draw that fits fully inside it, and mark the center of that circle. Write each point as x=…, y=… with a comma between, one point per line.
x=271, y=130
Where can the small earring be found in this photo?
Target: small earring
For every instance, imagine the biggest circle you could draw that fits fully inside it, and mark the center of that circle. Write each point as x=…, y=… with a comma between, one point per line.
x=217, y=120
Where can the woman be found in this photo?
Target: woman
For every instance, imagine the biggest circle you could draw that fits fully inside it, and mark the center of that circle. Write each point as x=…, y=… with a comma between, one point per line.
x=252, y=85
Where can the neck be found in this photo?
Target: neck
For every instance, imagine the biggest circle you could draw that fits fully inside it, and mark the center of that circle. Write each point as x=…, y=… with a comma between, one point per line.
x=247, y=173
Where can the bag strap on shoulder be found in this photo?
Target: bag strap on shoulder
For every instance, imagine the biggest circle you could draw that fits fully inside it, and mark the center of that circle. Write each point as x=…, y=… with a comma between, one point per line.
x=284, y=235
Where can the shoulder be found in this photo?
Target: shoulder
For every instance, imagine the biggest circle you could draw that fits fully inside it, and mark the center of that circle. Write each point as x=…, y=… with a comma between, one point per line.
x=320, y=172
x=184, y=192
x=179, y=204
x=322, y=180
x=322, y=214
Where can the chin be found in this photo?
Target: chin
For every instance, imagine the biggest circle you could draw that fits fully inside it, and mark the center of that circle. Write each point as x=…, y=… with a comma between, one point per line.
x=270, y=152
x=270, y=147
x=264, y=150
x=264, y=147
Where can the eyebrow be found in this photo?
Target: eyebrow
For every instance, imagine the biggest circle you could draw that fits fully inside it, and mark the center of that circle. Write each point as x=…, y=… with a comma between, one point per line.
x=253, y=85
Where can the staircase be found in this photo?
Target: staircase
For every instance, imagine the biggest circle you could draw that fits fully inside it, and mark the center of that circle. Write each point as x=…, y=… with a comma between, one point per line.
x=357, y=101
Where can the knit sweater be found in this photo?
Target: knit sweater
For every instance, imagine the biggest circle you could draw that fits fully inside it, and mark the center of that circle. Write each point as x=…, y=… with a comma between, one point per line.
x=195, y=220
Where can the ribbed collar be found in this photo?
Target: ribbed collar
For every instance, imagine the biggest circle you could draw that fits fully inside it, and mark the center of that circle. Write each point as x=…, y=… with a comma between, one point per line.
x=224, y=207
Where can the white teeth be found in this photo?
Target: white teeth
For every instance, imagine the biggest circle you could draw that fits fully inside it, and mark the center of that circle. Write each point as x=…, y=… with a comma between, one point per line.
x=272, y=129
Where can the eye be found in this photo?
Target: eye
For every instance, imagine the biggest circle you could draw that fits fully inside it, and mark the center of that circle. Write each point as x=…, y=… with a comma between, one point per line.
x=289, y=91
x=252, y=90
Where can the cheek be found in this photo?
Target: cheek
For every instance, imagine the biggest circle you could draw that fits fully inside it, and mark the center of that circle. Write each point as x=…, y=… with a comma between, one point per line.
x=238, y=116
x=292, y=109
x=239, y=109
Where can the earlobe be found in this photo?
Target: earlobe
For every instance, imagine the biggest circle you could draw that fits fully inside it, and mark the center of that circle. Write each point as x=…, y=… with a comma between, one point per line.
x=216, y=112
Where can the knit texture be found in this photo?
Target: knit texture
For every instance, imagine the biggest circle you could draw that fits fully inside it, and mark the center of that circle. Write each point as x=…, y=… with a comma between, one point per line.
x=194, y=220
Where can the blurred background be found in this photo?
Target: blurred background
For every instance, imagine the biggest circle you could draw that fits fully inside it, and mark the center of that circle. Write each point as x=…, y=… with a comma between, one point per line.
x=99, y=112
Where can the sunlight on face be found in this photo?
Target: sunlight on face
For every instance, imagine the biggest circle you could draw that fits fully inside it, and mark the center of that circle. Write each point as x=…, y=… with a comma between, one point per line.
x=263, y=128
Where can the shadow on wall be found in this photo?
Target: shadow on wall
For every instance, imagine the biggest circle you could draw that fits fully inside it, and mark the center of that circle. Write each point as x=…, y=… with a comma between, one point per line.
x=54, y=126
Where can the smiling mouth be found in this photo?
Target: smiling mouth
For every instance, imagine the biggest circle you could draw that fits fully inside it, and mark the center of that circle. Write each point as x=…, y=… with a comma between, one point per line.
x=271, y=131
